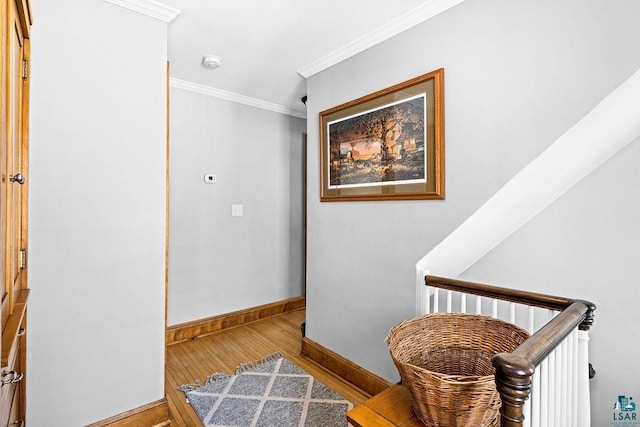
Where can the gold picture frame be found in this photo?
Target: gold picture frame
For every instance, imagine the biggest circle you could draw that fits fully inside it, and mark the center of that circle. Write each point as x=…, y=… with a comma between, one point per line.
x=388, y=145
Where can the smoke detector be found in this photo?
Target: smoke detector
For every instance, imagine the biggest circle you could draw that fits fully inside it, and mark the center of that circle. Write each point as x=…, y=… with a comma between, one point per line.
x=211, y=61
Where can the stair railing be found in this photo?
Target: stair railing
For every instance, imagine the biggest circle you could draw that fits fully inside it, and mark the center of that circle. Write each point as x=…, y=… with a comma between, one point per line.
x=545, y=381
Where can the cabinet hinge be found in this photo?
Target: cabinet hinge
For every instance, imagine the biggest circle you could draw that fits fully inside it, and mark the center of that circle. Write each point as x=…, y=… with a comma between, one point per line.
x=23, y=259
x=25, y=69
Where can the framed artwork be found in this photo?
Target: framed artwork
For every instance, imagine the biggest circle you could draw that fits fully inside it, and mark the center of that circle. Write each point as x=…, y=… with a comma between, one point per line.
x=388, y=145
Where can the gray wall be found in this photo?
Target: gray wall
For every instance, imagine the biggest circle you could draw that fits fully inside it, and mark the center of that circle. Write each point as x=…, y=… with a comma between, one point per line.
x=97, y=203
x=586, y=245
x=517, y=76
x=219, y=263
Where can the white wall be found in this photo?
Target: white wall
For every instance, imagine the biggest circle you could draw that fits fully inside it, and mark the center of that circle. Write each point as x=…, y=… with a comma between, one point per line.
x=219, y=263
x=97, y=213
x=586, y=245
x=517, y=76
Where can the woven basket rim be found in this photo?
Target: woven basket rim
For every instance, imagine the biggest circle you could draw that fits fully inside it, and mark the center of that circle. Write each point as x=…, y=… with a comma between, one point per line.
x=483, y=317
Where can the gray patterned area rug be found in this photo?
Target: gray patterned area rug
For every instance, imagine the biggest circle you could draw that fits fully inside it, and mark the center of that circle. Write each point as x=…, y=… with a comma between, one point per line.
x=272, y=392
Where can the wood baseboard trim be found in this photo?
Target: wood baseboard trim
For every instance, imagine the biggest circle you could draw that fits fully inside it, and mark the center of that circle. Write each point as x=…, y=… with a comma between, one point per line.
x=344, y=368
x=154, y=414
x=197, y=328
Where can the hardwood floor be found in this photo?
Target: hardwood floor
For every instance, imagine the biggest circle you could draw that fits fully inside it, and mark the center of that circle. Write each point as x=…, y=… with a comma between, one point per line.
x=224, y=350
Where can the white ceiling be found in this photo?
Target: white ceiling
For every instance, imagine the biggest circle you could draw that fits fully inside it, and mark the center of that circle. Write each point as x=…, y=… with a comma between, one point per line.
x=265, y=45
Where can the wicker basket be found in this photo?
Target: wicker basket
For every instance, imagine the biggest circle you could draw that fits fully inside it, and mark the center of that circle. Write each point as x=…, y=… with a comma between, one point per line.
x=444, y=359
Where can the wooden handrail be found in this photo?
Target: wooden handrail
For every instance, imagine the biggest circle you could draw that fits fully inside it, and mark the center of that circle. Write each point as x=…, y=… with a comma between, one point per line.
x=512, y=295
x=537, y=347
x=506, y=294
x=515, y=370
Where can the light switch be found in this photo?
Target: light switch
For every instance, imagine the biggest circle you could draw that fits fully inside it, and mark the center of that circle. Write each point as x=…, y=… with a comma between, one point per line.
x=209, y=178
x=237, y=210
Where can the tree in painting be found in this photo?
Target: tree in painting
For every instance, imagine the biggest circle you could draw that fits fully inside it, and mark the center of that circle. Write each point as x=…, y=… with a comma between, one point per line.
x=365, y=148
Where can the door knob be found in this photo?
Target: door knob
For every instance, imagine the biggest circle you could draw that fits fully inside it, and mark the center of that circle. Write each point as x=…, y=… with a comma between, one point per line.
x=15, y=377
x=19, y=178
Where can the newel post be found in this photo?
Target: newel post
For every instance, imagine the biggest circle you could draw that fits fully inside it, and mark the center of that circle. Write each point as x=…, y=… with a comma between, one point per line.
x=585, y=371
x=513, y=381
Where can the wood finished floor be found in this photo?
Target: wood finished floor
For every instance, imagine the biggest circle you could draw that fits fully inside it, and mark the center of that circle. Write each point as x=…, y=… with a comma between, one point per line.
x=223, y=351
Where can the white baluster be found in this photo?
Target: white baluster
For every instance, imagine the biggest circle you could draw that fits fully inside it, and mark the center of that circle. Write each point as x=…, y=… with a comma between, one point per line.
x=584, y=404
x=494, y=309
x=564, y=386
x=534, y=399
x=574, y=378
x=551, y=415
x=571, y=378
x=449, y=294
x=426, y=308
x=558, y=387
x=526, y=412
x=512, y=312
x=463, y=303
x=544, y=393
x=436, y=300
x=422, y=293
x=531, y=320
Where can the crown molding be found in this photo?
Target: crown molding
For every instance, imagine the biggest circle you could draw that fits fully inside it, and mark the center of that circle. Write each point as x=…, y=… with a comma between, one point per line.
x=150, y=8
x=235, y=97
x=413, y=17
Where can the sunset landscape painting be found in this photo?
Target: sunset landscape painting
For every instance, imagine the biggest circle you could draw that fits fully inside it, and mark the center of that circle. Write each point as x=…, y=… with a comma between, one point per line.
x=382, y=146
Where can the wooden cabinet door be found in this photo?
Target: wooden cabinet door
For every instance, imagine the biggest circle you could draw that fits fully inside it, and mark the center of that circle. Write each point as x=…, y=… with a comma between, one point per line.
x=16, y=156
x=15, y=21
x=4, y=294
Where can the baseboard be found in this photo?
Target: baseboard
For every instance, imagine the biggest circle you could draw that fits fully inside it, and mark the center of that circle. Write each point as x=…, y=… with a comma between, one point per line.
x=344, y=368
x=190, y=330
x=154, y=414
